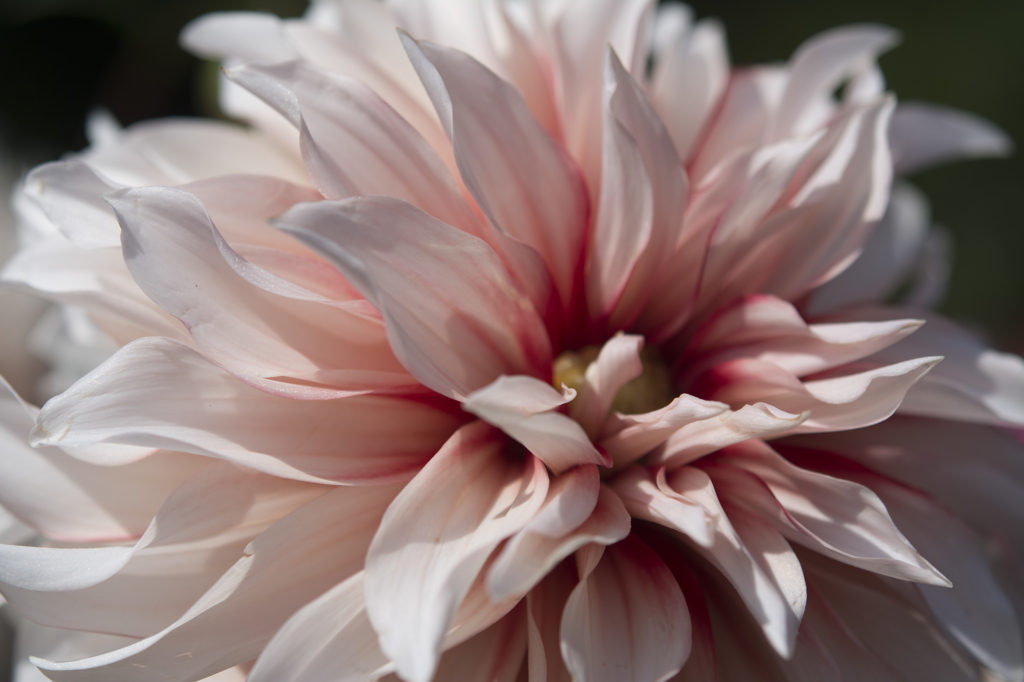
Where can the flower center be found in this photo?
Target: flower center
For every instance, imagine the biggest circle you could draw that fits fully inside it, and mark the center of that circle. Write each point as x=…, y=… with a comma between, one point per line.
x=650, y=391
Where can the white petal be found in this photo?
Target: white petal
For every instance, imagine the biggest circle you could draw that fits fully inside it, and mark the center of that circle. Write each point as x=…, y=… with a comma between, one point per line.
x=70, y=192
x=530, y=555
x=252, y=36
x=759, y=590
x=256, y=325
x=627, y=619
x=353, y=143
x=328, y=639
x=160, y=393
x=289, y=564
x=821, y=63
x=976, y=611
x=924, y=135
x=581, y=38
x=972, y=383
x=523, y=181
x=693, y=441
x=771, y=330
x=69, y=500
x=454, y=316
x=889, y=254
x=522, y=407
x=199, y=531
x=633, y=436
x=689, y=77
x=837, y=517
x=634, y=120
x=647, y=495
x=436, y=537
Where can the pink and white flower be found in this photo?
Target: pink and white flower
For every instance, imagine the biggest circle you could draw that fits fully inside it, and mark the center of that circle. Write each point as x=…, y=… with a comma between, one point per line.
x=490, y=352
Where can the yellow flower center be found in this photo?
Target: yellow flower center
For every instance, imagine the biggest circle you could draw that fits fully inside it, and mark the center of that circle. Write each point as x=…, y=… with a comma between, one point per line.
x=650, y=391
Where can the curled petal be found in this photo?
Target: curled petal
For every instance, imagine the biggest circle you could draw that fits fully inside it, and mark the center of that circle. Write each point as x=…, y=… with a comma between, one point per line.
x=285, y=567
x=617, y=363
x=454, y=316
x=70, y=500
x=522, y=407
x=523, y=181
x=148, y=392
x=259, y=326
x=436, y=537
x=630, y=437
x=693, y=441
x=530, y=555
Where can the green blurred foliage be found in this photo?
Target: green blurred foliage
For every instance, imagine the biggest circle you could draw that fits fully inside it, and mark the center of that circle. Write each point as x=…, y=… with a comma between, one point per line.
x=62, y=57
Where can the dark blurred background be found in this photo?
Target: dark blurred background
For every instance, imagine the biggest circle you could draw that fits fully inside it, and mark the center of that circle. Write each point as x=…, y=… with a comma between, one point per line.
x=60, y=58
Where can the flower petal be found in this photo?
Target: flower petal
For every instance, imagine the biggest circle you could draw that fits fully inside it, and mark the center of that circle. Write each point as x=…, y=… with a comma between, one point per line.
x=72, y=501
x=454, y=316
x=329, y=638
x=821, y=64
x=530, y=555
x=689, y=76
x=197, y=534
x=617, y=363
x=437, y=535
x=836, y=404
x=522, y=407
x=160, y=392
x=633, y=436
x=976, y=612
x=693, y=441
x=544, y=607
x=354, y=143
x=771, y=330
x=837, y=517
x=252, y=36
x=760, y=591
x=582, y=35
x=648, y=496
x=286, y=566
x=496, y=654
x=627, y=618
x=69, y=192
x=523, y=181
x=897, y=243
x=253, y=323
x=635, y=121
x=972, y=383
x=924, y=135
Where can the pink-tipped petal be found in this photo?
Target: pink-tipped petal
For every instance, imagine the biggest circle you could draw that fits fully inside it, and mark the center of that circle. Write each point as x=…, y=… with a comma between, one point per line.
x=648, y=496
x=455, y=318
x=436, y=537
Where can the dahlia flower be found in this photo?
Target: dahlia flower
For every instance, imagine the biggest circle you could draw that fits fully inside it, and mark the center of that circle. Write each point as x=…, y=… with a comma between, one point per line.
x=530, y=340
